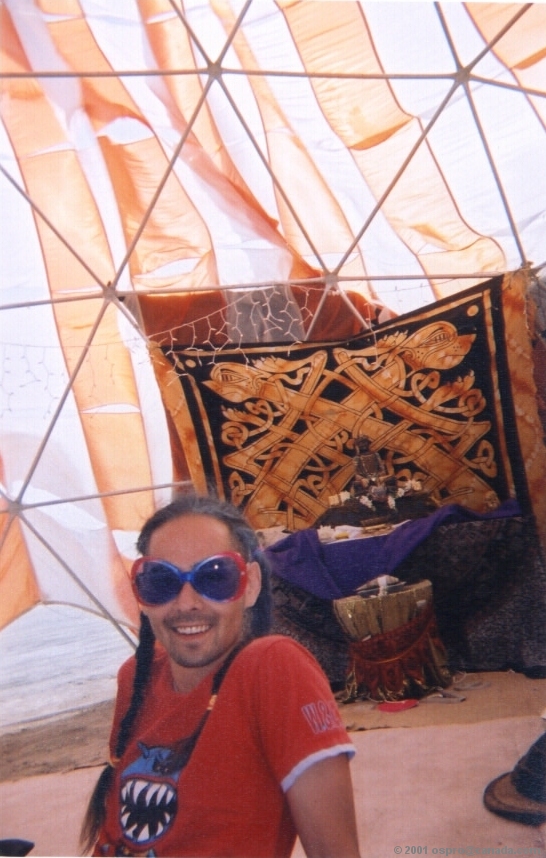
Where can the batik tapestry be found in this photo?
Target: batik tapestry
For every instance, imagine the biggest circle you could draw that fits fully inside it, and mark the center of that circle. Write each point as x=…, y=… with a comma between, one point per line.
x=273, y=427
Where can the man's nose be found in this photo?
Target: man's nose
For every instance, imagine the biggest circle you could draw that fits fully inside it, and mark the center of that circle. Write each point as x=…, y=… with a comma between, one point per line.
x=188, y=598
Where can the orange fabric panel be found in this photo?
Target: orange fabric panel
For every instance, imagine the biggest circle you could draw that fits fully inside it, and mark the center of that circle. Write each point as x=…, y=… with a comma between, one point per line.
x=17, y=582
x=423, y=212
x=364, y=112
x=108, y=401
x=526, y=401
x=170, y=42
x=194, y=318
x=522, y=47
x=173, y=229
x=104, y=98
x=105, y=375
x=326, y=225
x=13, y=60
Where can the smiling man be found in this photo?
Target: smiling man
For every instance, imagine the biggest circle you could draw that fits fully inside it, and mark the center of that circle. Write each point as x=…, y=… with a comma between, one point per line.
x=226, y=741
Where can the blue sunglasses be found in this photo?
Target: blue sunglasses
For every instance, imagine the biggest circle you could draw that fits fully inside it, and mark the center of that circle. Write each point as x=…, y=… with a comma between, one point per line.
x=221, y=578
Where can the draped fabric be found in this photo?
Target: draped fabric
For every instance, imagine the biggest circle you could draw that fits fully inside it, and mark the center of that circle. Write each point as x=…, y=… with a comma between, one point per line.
x=336, y=569
x=489, y=594
x=366, y=159
x=273, y=429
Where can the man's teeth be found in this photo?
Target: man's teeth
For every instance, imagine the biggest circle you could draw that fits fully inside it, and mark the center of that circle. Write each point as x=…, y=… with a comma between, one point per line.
x=191, y=630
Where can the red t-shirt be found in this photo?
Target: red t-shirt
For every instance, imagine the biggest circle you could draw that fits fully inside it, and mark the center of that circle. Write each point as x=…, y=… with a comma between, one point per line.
x=274, y=717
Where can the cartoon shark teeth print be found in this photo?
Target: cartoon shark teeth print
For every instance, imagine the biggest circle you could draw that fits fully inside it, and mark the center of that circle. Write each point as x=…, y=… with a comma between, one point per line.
x=147, y=809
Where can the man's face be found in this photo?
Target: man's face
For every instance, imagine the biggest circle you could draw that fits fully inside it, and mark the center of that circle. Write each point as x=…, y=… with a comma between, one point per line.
x=197, y=632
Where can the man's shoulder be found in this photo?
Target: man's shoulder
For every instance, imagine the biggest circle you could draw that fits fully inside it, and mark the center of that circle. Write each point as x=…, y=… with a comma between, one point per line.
x=276, y=650
x=278, y=643
x=281, y=682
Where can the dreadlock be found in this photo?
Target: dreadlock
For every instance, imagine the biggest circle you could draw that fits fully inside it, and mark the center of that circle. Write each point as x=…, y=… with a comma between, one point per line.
x=96, y=809
x=260, y=621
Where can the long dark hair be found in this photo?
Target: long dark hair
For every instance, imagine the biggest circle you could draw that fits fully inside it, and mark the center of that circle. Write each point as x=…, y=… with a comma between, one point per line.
x=260, y=621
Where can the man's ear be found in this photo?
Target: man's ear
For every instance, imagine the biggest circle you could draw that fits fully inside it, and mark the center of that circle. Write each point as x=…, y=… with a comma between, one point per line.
x=254, y=583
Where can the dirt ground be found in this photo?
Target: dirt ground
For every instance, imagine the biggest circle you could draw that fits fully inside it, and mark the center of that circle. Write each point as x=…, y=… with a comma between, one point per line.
x=57, y=745
x=80, y=740
x=420, y=786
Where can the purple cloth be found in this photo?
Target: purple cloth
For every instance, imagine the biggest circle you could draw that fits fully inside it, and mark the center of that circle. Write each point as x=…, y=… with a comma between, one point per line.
x=336, y=569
